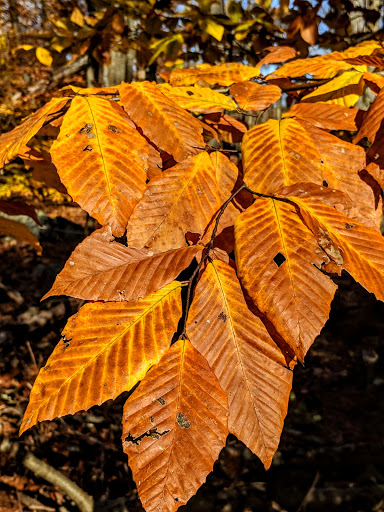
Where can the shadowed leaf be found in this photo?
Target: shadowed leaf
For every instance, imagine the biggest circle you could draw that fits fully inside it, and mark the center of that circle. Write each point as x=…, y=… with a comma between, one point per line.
x=174, y=427
x=245, y=359
x=277, y=256
x=101, y=269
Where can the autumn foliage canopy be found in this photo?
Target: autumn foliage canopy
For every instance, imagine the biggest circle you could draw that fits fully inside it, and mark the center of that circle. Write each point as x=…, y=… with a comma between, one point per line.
x=210, y=350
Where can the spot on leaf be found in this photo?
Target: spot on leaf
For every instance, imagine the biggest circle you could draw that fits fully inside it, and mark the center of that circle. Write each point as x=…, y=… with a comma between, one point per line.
x=325, y=184
x=279, y=259
x=349, y=226
x=87, y=148
x=223, y=316
x=161, y=401
x=114, y=129
x=86, y=129
x=182, y=421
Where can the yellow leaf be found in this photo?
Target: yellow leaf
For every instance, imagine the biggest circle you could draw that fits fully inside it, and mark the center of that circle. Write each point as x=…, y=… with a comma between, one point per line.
x=101, y=159
x=343, y=90
x=25, y=47
x=12, y=142
x=44, y=56
x=110, y=347
x=199, y=99
x=214, y=29
x=77, y=17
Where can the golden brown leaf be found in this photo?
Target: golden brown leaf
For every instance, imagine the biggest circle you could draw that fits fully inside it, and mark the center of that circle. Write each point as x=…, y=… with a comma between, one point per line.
x=372, y=119
x=329, y=65
x=198, y=99
x=12, y=142
x=227, y=128
x=248, y=364
x=101, y=269
x=174, y=427
x=276, y=257
x=165, y=123
x=272, y=158
x=277, y=54
x=18, y=208
x=325, y=115
x=42, y=168
x=101, y=160
x=222, y=74
x=358, y=248
x=183, y=199
x=12, y=228
x=106, y=349
x=252, y=96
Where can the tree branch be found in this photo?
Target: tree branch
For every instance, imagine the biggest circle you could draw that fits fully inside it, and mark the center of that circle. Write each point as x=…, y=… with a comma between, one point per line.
x=44, y=470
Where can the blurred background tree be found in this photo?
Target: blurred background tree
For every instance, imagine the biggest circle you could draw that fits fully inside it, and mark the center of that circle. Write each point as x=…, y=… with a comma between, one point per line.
x=45, y=44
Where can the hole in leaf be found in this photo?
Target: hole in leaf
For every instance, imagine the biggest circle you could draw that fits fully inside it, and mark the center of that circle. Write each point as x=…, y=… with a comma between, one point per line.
x=190, y=93
x=279, y=259
x=325, y=184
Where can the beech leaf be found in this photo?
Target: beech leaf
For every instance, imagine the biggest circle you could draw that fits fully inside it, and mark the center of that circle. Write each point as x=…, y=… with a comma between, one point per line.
x=106, y=349
x=247, y=362
x=174, y=427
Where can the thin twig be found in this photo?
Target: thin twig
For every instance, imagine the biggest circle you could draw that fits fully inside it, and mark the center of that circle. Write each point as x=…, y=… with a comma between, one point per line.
x=32, y=355
x=208, y=247
x=55, y=477
x=307, y=498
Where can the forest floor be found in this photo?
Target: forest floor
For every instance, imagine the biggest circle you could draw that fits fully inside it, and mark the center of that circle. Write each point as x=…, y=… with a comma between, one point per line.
x=331, y=455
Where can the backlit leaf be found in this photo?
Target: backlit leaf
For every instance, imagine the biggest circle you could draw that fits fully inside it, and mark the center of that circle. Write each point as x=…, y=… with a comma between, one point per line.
x=329, y=65
x=277, y=256
x=199, y=99
x=247, y=362
x=182, y=199
x=358, y=248
x=272, y=158
x=343, y=90
x=222, y=74
x=12, y=142
x=372, y=120
x=214, y=29
x=252, y=96
x=101, y=269
x=44, y=56
x=325, y=115
x=165, y=123
x=277, y=54
x=106, y=349
x=101, y=160
x=174, y=427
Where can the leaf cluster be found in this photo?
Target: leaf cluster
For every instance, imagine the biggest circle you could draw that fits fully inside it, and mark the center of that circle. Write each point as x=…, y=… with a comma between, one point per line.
x=212, y=354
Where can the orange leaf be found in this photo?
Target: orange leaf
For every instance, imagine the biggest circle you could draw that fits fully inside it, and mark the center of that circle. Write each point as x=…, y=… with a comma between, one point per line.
x=174, y=427
x=248, y=364
x=358, y=248
x=101, y=160
x=12, y=142
x=329, y=65
x=101, y=269
x=198, y=99
x=277, y=54
x=325, y=115
x=12, y=228
x=106, y=349
x=372, y=120
x=182, y=199
x=166, y=124
x=223, y=74
x=281, y=279
x=251, y=96
x=272, y=158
